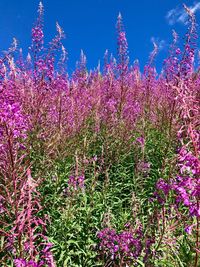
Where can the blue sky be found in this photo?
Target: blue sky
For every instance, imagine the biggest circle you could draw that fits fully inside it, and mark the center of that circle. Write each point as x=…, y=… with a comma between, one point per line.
x=90, y=25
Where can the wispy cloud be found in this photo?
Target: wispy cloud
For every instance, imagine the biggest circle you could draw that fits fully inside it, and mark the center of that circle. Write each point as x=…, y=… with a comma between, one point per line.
x=179, y=14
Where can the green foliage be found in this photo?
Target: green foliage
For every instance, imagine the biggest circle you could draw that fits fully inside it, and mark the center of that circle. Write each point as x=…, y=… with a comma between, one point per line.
x=115, y=193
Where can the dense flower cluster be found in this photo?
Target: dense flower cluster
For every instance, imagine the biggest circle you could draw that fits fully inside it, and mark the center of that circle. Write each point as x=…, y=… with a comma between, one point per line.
x=23, y=263
x=186, y=185
x=13, y=120
x=37, y=36
x=124, y=247
x=125, y=244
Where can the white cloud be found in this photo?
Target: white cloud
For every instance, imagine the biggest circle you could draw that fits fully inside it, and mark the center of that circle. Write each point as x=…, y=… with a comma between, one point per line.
x=180, y=15
x=195, y=7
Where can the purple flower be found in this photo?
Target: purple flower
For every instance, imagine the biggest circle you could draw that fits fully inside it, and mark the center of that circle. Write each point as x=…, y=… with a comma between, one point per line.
x=163, y=186
x=20, y=262
x=23, y=263
x=125, y=244
x=188, y=229
x=37, y=35
x=75, y=183
x=144, y=167
x=140, y=140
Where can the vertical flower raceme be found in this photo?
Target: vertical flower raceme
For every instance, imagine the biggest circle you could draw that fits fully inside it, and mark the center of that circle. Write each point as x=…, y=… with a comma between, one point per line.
x=37, y=32
x=187, y=61
x=122, y=47
x=20, y=200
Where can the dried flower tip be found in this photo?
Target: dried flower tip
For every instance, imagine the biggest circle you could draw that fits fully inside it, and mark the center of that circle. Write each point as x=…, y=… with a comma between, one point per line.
x=64, y=53
x=28, y=58
x=175, y=36
x=119, y=16
x=40, y=8
x=188, y=10
x=59, y=30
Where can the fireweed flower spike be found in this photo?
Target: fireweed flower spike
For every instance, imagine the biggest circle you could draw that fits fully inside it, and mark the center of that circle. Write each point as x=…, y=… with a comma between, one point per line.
x=122, y=46
x=37, y=31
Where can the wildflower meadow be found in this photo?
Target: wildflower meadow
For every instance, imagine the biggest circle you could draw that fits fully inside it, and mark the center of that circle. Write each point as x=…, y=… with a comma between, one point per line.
x=100, y=167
